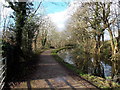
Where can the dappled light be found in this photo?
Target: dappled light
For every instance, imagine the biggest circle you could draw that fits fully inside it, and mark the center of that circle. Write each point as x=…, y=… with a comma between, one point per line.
x=62, y=44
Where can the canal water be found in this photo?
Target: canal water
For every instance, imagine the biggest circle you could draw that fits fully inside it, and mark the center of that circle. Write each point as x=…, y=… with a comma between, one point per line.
x=87, y=63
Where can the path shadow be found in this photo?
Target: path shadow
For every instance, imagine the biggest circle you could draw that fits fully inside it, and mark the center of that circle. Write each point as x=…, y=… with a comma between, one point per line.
x=44, y=68
x=40, y=67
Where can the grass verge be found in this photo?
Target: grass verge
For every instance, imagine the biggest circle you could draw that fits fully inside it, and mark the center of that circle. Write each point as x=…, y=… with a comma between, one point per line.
x=97, y=81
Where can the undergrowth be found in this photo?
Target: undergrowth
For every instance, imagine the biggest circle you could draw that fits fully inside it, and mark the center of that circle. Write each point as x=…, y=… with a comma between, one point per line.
x=98, y=81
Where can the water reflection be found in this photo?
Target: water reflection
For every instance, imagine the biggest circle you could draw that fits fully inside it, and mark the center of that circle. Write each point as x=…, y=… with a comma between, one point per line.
x=67, y=56
x=94, y=65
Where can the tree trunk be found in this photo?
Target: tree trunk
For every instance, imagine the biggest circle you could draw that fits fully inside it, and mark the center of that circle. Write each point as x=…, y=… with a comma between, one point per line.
x=112, y=40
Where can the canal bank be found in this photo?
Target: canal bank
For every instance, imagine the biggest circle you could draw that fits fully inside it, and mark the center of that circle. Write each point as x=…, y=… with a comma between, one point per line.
x=98, y=81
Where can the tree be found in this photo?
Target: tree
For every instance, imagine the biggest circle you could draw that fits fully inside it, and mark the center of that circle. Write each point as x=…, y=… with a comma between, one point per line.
x=109, y=19
x=21, y=12
x=22, y=29
x=46, y=28
x=29, y=32
x=88, y=25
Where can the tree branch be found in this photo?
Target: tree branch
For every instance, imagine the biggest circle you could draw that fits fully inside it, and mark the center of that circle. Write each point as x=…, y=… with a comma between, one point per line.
x=11, y=5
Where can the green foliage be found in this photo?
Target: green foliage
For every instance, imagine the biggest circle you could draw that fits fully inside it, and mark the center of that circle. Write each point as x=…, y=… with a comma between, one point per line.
x=101, y=82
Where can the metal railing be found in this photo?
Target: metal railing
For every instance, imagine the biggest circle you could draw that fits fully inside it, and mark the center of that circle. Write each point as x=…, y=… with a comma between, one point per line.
x=2, y=68
x=2, y=72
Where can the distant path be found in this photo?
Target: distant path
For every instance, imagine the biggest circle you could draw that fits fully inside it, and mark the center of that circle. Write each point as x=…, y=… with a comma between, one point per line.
x=51, y=74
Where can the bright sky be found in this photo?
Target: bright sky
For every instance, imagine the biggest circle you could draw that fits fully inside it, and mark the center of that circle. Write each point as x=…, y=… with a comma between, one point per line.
x=55, y=9
x=58, y=11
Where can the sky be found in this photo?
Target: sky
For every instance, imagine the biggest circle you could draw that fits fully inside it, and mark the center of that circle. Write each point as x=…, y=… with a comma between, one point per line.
x=58, y=11
x=55, y=9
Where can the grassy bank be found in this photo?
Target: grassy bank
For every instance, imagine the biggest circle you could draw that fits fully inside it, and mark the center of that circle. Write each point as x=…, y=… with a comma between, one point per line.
x=98, y=81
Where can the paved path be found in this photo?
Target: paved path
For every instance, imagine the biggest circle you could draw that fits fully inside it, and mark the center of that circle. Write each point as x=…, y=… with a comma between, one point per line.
x=52, y=75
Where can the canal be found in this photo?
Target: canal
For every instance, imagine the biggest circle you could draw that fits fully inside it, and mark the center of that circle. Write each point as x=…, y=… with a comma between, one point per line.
x=87, y=63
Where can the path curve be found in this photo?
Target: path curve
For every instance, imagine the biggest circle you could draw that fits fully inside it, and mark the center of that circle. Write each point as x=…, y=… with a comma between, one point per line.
x=51, y=74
